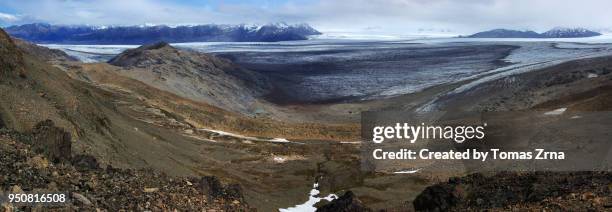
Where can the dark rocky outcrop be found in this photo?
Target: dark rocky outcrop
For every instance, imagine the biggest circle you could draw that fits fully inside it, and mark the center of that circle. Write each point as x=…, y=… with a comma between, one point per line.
x=85, y=162
x=52, y=141
x=436, y=198
x=212, y=186
x=339, y=176
x=346, y=203
x=519, y=191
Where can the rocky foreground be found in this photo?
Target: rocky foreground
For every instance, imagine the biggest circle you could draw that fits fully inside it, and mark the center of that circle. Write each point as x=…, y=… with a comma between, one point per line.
x=512, y=191
x=505, y=191
x=41, y=162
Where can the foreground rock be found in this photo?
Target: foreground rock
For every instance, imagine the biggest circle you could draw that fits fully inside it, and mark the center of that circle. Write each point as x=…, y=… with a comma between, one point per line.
x=52, y=141
x=90, y=188
x=511, y=191
x=347, y=202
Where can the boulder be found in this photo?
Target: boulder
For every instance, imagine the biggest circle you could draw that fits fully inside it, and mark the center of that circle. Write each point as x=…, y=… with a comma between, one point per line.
x=211, y=186
x=80, y=198
x=85, y=162
x=436, y=198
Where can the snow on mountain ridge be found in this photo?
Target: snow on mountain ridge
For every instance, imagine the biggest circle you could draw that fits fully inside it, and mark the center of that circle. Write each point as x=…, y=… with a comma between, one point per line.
x=147, y=33
x=557, y=32
x=566, y=32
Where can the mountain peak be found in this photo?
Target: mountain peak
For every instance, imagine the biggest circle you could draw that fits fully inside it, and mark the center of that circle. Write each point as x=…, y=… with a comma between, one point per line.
x=566, y=32
x=143, y=55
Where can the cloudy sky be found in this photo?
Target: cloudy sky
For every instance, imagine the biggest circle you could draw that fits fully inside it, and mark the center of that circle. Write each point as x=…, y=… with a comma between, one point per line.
x=390, y=16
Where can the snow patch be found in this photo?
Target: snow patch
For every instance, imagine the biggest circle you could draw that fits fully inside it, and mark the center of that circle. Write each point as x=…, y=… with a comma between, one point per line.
x=223, y=133
x=279, y=140
x=308, y=206
x=556, y=112
x=407, y=171
x=286, y=158
x=279, y=159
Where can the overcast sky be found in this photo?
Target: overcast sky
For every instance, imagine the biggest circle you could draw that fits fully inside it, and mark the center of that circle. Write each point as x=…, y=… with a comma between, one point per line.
x=391, y=16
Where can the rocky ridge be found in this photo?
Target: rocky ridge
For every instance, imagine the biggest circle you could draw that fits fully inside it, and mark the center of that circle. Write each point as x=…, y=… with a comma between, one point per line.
x=51, y=55
x=199, y=76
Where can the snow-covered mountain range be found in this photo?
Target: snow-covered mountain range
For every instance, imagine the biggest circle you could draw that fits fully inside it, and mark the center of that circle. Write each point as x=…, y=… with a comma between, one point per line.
x=141, y=34
x=558, y=32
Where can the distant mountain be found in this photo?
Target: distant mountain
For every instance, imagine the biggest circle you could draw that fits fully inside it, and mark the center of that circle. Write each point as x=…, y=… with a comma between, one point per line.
x=506, y=33
x=560, y=32
x=553, y=33
x=46, y=33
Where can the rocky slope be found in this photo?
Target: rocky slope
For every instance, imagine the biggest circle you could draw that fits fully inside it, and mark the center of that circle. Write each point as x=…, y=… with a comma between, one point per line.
x=91, y=187
x=49, y=123
x=581, y=90
x=194, y=75
x=46, y=33
x=128, y=124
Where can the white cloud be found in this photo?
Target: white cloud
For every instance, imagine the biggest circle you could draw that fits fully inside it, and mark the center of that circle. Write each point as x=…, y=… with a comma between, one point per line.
x=5, y=17
x=384, y=15
x=461, y=15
